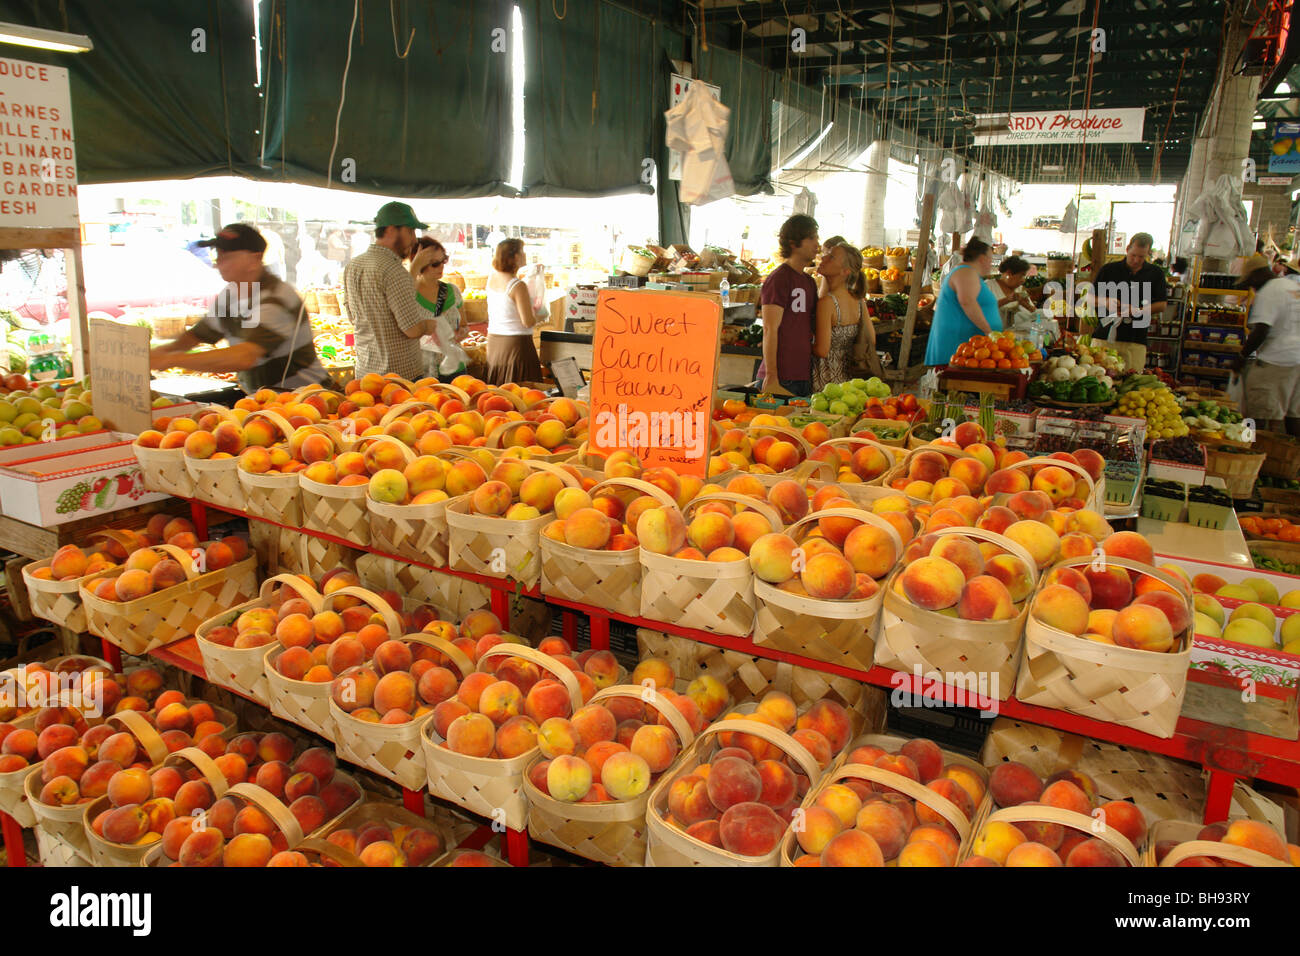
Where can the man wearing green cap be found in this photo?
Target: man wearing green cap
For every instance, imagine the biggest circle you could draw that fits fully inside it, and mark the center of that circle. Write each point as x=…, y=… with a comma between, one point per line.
x=380, y=297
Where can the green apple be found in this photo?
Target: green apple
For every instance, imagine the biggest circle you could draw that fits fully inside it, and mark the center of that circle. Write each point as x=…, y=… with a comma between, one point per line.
x=7, y=411
x=1256, y=612
x=1206, y=625
x=1241, y=592
x=1265, y=590
x=1247, y=630
x=10, y=436
x=1211, y=608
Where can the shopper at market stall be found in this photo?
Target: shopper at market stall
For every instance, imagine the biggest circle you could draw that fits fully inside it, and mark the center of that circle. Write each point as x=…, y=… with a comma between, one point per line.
x=789, y=298
x=380, y=295
x=1007, y=288
x=443, y=358
x=1270, y=357
x=511, y=354
x=845, y=340
x=966, y=305
x=1130, y=293
x=260, y=317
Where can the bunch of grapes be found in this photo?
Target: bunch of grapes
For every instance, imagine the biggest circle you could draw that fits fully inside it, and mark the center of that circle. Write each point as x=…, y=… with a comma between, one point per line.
x=70, y=499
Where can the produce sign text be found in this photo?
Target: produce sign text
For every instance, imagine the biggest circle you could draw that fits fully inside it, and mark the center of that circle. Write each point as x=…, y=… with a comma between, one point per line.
x=1063, y=126
x=38, y=163
x=653, y=370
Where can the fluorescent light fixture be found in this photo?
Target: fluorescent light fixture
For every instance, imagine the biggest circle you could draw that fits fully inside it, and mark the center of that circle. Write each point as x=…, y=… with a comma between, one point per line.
x=1258, y=125
x=517, y=74
x=1053, y=169
x=804, y=153
x=20, y=35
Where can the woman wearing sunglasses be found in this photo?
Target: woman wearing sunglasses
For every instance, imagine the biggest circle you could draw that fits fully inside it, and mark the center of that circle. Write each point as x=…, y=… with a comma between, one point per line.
x=443, y=357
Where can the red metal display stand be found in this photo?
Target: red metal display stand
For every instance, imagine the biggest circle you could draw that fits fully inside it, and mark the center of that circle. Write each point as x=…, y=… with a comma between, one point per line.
x=15, y=852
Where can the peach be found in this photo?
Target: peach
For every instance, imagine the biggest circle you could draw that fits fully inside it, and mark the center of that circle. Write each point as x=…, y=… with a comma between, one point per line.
x=599, y=752
x=820, y=826
x=1075, y=544
x=295, y=630
x=789, y=500
x=1013, y=574
x=996, y=841
x=750, y=829
x=1111, y=588
x=688, y=800
x=586, y=528
x=707, y=832
x=816, y=744
x=61, y=791
x=193, y=796
x=885, y=824
x=445, y=713
x=547, y=698
x=659, y=672
x=996, y=519
x=780, y=708
x=985, y=598
x=927, y=466
x=1094, y=852
x=568, y=778
x=294, y=663
x=828, y=576
x=865, y=754
x=871, y=550
x=125, y=824
x=625, y=775
x=710, y=695
x=656, y=745
x=732, y=781
x=1257, y=836
x=1126, y=818
x=130, y=786
x=772, y=558
x=471, y=734
x=852, y=848
x=1171, y=605
x=1012, y=784
x=1143, y=627
x=1009, y=481
x=829, y=719
x=556, y=737
x=1131, y=545
x=841, y=801
x=523, y=674
x=709, y=531
x=344, y=654
x=594, y=723
x=926, y=755
x=1033, y=854
x=602, y=668
x=516, y=736
x=933, y=583
x=1062, y=607
x=661, y=530
x=500, y=701
x=472, y=687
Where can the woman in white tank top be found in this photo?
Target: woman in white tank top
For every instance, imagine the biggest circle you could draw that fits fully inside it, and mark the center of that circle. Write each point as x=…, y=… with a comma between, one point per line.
x=511, y=355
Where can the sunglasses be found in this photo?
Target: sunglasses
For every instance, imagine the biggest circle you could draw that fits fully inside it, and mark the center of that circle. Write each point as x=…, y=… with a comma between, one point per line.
x=435, y=265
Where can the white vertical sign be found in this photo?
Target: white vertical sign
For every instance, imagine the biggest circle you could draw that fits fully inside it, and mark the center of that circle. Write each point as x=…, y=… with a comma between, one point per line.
x=38, y=162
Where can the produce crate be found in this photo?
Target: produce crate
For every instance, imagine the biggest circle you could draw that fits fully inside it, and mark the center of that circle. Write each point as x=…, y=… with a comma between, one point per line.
x=1282, y=451
x=66, y=487
x=1006, y=385
x=1237, y=469
x=1183, y=472
x=1237, y=685
x=1209, y=508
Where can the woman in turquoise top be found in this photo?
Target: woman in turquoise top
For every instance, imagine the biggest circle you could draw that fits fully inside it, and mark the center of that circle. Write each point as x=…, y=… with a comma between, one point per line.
x=966, y=306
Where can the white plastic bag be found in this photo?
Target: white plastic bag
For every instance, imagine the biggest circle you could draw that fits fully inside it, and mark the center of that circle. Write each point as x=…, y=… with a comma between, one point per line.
x=697, y=128
x=1070, y=221
x=535, y=279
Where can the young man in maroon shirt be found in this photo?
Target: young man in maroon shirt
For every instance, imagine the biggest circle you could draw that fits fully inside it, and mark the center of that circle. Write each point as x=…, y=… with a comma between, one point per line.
x=789, y=301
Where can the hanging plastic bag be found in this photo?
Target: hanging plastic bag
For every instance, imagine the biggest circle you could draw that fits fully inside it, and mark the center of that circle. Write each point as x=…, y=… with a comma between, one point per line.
x=535, y=279
x=1070, y=221
x=697, y=128
x=1237, y=389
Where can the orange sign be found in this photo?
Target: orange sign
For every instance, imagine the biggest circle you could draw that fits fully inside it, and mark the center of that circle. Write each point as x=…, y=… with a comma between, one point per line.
x=654, y=362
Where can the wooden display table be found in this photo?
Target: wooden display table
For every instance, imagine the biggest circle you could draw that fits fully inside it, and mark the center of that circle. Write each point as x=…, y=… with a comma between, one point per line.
x=1006, y=385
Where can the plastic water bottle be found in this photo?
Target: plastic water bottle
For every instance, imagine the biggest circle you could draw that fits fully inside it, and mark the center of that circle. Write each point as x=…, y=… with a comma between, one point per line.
x=724, y=290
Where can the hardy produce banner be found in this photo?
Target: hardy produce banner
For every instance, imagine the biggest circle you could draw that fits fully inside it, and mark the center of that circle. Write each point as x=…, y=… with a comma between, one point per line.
x=1063, y=126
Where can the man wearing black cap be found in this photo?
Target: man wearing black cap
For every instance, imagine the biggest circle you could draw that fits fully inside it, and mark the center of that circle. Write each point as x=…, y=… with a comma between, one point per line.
x=259, y=315
x=380, y=296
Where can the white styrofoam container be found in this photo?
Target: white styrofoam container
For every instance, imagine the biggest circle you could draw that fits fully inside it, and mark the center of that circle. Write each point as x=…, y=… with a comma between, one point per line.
x=30, y=491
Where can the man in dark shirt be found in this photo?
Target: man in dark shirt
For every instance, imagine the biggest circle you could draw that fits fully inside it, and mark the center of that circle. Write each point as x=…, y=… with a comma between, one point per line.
x=789, y=300
x=258, y=315
x=1129, y=294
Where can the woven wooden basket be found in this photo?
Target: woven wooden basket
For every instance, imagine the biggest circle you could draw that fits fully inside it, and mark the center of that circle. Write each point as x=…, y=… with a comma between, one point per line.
x=836, y=632
x=338, y=510
x=164, y=470
x=1134, y=688
x=1163, y=788
x=1188, y=846
x=842, y=770
x=317, y=555
x=246, y=793
x=173, y=613
x=666, y=845
x=500, y=547
x=716, y=596
x=1096, y=499
x=274, y=497
x=276, y=548
x=61, y=831
x=613, y=832
x=417, y=532
x=216, y=480
x=497, y=439
x=894, y=453
x=388, y=815
x=748, y=678
x=608, y=579
x=782, y=433
x=902, y=465
x=874, y=262
x=393, y=750
x=105, y=852
x=1238, y=471
x=893, y=286
x=242, y=668
x=986, y=653
x=305, y=703
x=1040, y=813
x=491, y=787
x=1059, y=268
x=60, y=601
x=897, y=262
x=454, y=597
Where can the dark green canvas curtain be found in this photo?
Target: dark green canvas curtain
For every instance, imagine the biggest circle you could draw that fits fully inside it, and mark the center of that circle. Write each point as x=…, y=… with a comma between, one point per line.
x=145, y=105
x=429, y=121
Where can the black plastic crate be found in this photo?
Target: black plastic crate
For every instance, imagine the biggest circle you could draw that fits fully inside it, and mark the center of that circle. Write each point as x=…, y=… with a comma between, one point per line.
x=622, y=637
x=960, y=729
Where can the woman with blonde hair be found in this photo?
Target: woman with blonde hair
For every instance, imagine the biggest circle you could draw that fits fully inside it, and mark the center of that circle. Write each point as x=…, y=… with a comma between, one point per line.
x=844, y=340
x=511, y=355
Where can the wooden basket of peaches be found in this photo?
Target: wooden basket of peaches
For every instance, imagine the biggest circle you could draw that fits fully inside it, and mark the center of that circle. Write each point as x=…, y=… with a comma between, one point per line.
x=1240, y=842
x=890, y=800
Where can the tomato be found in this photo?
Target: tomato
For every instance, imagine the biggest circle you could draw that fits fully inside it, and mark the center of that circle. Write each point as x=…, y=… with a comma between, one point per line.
x=907, y=402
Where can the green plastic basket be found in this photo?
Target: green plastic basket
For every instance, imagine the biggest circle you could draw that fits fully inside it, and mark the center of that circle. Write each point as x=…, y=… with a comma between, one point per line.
x=1208, y=516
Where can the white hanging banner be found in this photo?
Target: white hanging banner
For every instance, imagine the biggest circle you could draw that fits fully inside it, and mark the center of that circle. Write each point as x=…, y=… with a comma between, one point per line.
x=1063, y=126
x=38, y=162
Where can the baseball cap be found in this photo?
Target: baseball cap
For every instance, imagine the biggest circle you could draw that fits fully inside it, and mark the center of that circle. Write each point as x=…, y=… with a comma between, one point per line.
x=236, y=237
x=1253, y=263
x=398, y=214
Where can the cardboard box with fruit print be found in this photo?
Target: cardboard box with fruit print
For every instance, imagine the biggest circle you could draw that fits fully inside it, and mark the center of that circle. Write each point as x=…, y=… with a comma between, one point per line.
x=58, y=489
